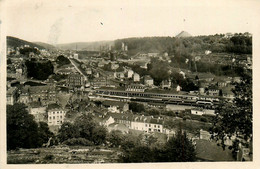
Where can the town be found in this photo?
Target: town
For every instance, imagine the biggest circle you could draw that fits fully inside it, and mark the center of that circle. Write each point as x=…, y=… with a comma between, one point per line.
x=127, y=91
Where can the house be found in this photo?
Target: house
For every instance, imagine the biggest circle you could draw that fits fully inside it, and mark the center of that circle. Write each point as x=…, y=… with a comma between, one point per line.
x=236, y=79
x=178, y=88
x=199, y=112
x=148, y=80
x=166, y=84
x=119, y=75
x=38, y=111
x=24, y=95
x=182, y=73
x=207, y=52
x=89, y=71
x=147, y=124
x=108, y=120
x=135, y=88
x=114, y=66
x=213, y=91
x=118, y=126
x=142, y=64
x=55, y=115
x=129, y=73
x=136, y=77
x=11, y=96
x=116, y=106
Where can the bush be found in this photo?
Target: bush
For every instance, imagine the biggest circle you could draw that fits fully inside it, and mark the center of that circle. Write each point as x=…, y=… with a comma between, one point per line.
x=186, y=117
x=78, y=141
x=203, y=119
x=48, y=157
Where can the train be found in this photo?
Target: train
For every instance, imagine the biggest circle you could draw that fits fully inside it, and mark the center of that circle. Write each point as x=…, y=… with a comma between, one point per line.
x=182, y=99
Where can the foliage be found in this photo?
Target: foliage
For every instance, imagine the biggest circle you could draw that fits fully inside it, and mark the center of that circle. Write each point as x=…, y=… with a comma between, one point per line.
x=39, y=70
x=78, y=141
x=22, y=130
x=186, y=117
x=235, y=119
x=115, y=138
x=58, y=77
x=136, y=107
x=177, y=149
x=28, y=50
x=240, y=43
x=62, y=60
x=83, y=127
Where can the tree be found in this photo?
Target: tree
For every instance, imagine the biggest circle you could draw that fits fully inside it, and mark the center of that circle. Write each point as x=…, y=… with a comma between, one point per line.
x=115, y=138
x=61, y=60
x=67, y=131
x=235, y=118
x=179, y=149
x=22, y=130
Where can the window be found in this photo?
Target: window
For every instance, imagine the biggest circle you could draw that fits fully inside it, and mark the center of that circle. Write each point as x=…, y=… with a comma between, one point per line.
x=154, y=125
x=149, y=125
x=53, y=112
x=158, y=126
x=145, y=125
x=53, y=117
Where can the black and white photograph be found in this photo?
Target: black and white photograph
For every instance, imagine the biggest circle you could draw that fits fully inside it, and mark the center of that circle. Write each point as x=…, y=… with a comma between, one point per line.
x=119, y=82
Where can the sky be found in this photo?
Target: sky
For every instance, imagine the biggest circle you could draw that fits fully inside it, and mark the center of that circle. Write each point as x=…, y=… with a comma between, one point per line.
x=66, y=21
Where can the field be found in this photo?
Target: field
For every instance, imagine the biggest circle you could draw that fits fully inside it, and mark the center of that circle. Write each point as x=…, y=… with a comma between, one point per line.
x=63, y=155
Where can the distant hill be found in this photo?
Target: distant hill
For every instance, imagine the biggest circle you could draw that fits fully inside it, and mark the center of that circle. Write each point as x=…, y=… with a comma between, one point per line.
x=46, y=45
x=183, y=34
x=16, y=42
x=89, y=46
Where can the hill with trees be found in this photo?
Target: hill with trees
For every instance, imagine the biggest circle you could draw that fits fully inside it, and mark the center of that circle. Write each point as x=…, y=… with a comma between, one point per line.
x=16, y=42
x=239, y=44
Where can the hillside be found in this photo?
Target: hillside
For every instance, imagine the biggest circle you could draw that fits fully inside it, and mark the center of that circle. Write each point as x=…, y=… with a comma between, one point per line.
x=238, y=44
x=16, y=42
x=46, y=45
x=89, y=46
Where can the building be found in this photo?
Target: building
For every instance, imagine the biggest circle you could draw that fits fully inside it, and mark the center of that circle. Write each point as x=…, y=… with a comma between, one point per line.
x=115, y=106
x=136, y=77
x=56, y=115
x=148, y=80
x=199, y=112
x=38, y=111
x=129, y=73
x=118, y=126
x=99, y=82
x=119, y=75
x=24, y=95
x=75, y=81
x=135, y=88
x=147, y=124
x=44, y=94
x=213, y=91
x=11, y=96
x=166, y=84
